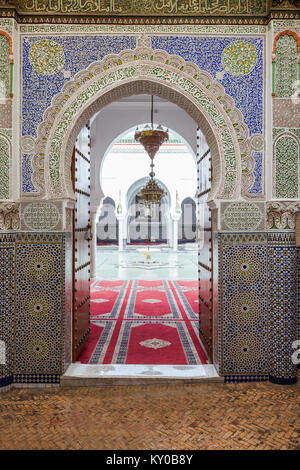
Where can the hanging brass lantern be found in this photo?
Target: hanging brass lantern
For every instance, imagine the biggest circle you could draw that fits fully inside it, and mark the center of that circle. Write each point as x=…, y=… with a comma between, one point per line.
x=151, y=139
x=151, y=193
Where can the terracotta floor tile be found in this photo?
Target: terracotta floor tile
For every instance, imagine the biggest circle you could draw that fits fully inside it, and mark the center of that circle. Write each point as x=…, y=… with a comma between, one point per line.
x=208, y=416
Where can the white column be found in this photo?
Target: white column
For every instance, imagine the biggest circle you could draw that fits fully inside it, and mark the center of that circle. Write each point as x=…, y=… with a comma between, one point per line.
x=175, y=219
x=93, y=244
x=121, y=219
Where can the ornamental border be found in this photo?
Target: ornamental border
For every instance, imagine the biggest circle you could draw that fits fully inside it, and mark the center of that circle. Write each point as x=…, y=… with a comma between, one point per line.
x=276, y=14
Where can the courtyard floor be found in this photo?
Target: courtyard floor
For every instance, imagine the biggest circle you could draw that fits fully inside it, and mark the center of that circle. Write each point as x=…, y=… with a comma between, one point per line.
x=175, y=265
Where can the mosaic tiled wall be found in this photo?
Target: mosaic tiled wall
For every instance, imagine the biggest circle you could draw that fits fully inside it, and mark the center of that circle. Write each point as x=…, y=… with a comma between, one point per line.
x=49, y=62
x=282, y=306
x=67, y=325
x=258, y=305
x=7, y=307
x=40, y=305
x=286, y=112
x=298, y=297
x=35, y=306
x=236, y=63
x=243, y=304
x=257, y=274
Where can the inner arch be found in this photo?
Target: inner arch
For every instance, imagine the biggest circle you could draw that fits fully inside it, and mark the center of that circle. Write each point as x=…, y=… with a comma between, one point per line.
x=147, y=86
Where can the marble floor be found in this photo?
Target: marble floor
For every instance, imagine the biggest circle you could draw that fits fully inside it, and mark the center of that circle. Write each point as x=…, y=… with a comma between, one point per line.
x=102, y=375
x=181, y=264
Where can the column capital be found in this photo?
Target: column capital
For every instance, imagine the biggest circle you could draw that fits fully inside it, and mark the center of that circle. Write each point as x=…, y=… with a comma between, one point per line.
x=282, y=214
x=9, y=215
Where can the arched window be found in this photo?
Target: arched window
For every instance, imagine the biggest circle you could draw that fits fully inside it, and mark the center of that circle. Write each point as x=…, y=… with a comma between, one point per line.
x=188, y=221
x=107, y=226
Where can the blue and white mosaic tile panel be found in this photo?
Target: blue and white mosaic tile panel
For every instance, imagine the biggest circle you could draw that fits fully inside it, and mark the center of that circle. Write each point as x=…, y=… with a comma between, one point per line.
x=49, y=62
x=235, y=62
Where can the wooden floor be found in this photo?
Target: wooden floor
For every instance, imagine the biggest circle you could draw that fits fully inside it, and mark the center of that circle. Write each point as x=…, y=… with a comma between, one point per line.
x=206, y=416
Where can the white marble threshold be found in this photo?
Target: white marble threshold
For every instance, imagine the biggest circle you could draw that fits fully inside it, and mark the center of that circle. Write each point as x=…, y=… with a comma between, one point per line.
x=131, y=371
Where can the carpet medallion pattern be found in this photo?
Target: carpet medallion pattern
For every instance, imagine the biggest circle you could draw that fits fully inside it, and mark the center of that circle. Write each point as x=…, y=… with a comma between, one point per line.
x=144, y=322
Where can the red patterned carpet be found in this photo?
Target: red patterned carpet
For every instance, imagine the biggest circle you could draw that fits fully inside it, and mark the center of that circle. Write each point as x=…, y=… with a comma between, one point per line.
x=144, y=322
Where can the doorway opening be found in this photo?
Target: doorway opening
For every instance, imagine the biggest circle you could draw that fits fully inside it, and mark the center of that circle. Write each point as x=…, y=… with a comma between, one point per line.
x=144, y=292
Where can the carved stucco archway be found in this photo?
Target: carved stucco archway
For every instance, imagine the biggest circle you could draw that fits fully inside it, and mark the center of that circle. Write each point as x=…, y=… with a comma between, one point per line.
x=141, y=71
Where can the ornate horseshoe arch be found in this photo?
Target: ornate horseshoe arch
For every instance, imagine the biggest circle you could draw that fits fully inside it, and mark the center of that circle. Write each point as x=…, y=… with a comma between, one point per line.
x=138, y=71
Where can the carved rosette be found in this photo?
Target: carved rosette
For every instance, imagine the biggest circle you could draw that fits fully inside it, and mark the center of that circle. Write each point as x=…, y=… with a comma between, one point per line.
x=281, y=215
x=9, y=216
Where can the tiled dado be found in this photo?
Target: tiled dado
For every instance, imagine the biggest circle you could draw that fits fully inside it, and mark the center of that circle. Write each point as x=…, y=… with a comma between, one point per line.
x=35, y=305
x=243, y=343
x=257, y=301
x=282, y=295
x=258, y=306
x=298, y=297
x=7, y=310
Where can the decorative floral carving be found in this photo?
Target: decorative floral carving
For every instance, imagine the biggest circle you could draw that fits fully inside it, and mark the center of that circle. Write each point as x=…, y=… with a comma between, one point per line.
x=5, y=154
x=239, y=58
x=286, y=58
x=282, y=215
x=46, y=57
x=9, y=216
x=286, y=156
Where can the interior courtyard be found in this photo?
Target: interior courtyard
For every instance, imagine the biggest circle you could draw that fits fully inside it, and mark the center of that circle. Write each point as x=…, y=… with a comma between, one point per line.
x=149, y=225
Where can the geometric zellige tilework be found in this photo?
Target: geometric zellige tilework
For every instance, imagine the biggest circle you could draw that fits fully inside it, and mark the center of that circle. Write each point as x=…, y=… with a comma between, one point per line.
x=243, y=304
x=7, y=282
x=39, y=303
x=67, y=324
x=298, y=295
x=282, y=280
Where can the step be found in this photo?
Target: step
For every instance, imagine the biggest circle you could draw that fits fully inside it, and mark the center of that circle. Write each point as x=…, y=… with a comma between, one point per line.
x=108, y=375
